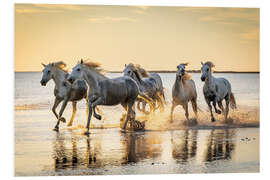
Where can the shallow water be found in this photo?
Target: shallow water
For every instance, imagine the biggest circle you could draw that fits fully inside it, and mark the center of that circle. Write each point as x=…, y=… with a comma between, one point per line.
x=41, y=151
x=178, y=147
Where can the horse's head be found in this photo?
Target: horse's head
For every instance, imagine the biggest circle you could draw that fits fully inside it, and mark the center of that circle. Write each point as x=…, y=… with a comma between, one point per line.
x=77, y=72
x=206, y=70
x=47, y=74
x=129, y=70
x=181, y=69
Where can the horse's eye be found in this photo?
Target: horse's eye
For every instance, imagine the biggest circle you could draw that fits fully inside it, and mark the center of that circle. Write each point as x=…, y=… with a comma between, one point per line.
x=49, y=71
x=207, y=69
x=78, y=69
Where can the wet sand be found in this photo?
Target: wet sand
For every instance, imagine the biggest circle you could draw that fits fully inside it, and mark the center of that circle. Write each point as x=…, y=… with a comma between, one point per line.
x=180, y=148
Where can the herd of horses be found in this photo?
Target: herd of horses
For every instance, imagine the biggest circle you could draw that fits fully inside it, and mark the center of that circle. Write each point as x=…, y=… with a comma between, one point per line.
x=87, y=81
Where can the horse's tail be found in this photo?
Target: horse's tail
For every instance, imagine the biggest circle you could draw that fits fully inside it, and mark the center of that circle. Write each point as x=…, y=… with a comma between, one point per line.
x=232, y=101
x=147, y=99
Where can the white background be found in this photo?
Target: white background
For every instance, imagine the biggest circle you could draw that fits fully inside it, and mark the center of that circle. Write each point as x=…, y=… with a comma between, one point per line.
x=7, y=83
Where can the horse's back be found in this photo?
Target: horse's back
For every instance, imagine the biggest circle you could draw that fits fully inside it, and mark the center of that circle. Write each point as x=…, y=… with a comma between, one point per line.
x=117, y=90
x=223, y=85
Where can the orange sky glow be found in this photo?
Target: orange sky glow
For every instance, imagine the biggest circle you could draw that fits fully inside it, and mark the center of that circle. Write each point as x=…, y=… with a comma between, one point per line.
x=158, y=38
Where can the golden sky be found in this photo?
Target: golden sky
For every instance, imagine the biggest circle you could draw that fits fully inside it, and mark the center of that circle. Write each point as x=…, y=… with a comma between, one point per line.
x=158, y=38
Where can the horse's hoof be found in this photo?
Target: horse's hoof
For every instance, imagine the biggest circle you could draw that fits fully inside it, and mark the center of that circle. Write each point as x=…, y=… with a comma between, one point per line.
x=86, y=133
x=69, y=125
x=98, y=116
x=56, y=129
x=218, y=111
x=63, y=119
x=213, y=119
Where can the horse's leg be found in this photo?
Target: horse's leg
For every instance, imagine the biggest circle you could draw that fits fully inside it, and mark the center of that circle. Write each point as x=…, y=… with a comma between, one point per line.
x=194, y=107
x=87, y=110
x=74, y=109
x=90, y=110
x=186, y=111
x=130, y=114
x=210, y=109
x=125, y=116
x=227, y=99
x=172, y=109
x=98, y=101
x=56, y=103
x=60, y=118
x=220, y=105
x=214, y=104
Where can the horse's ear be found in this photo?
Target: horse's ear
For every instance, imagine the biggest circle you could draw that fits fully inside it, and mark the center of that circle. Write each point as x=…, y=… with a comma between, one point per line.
x=201, y=63
x=44, y=65
x=52, y=64
x=125, y=65
x=81, y=61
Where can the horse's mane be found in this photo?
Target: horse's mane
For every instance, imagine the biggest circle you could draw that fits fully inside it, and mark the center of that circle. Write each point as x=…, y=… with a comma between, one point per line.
x=94, y=65
x=210, y=64
x=61, y=65
x=186, y=76
x=141, y=70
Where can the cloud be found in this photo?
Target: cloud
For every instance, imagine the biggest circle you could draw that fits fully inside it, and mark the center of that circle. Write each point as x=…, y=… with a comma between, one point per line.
x=44, y=8
x=33, y=11
x=142, y=7
x=59, y=6
x=115, y=19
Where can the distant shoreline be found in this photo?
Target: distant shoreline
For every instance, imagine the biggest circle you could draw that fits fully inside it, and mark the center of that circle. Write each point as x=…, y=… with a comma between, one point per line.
x=162, y=71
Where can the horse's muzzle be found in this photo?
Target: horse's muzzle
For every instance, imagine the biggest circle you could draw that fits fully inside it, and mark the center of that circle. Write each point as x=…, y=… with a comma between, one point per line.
x=203, y=78
x=70, y=79
x=43, y=83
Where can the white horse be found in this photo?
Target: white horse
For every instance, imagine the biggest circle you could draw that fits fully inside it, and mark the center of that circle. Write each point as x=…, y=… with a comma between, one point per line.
x=63, y=90
x=105, y=91
x=184, y=91
x=215, y=90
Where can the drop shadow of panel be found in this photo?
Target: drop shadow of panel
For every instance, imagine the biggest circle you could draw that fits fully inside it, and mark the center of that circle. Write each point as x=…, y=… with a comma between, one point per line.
x=141, y=146
x=220, y=145
x=184, y=145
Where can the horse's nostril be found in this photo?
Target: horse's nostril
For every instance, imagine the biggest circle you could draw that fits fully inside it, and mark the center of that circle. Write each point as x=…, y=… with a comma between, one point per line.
x=203, y=78
x=43, y=83
x=70, y=80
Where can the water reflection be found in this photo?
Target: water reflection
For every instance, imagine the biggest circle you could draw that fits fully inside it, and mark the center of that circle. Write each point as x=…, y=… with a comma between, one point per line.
x=184, y=145
x=220, y=145
x=102, y=149
x=139, y=147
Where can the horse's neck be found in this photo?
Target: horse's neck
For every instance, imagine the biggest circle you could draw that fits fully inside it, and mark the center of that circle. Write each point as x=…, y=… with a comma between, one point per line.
x=93, y=78
x=179, y=83
x=59, y=77
x=138, y=80
x=210, y=81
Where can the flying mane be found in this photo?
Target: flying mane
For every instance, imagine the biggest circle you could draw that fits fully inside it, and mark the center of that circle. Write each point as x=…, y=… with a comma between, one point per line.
x=141, y=71
x=61, y=65
x=94, y=65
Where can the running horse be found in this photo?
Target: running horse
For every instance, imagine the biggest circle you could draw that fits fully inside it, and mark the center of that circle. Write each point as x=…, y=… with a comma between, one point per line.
x=215, y=90
x=105, y=91
x=184, y=91
x=151, y=85
x=63, y=90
